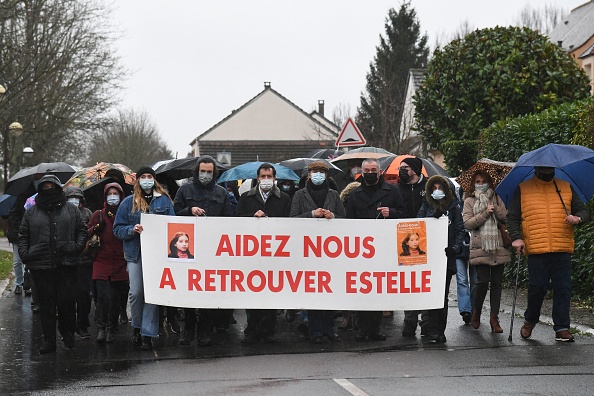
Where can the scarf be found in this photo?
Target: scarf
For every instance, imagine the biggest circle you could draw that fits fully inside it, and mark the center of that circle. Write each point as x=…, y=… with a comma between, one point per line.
x=490, y=238
x=318, y=193
x=47, y=199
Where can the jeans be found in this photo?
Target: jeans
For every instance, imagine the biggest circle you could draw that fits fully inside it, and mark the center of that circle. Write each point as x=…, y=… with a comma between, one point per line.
x=17, y=264
x=462, y=280
x=553, y=269
x=144, y=316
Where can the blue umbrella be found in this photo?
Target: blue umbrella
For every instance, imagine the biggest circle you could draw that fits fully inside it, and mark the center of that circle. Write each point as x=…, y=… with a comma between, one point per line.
x=574, y=164
x=248, y=171
x=6, y=202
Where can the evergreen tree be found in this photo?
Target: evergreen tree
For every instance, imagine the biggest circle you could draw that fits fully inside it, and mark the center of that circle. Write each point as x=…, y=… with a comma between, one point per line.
x=401, y=49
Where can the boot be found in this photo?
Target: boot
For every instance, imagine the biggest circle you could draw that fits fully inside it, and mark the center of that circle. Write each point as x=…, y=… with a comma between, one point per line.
x=347, y=322
x=494, y=322
x=475, y=320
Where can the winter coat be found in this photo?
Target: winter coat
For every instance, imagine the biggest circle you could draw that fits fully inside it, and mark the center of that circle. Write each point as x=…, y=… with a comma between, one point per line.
x=110, y=263
x=125, y=220
x=52, y=237
x=363, y=206
x=303, y=204
x=449, y=206
x=413, y=196
x=344, y=194
x=473, y=223
x=278, y=203
x=213, y=198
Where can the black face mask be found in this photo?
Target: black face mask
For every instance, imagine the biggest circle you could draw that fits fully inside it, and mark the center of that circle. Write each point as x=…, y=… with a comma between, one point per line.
x=403, y=174
x=370, y=178
x=547, y=177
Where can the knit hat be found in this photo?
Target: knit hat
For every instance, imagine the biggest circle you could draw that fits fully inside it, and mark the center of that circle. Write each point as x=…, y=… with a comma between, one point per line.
x=49, y=178
x=145, y=169
x=415, y=164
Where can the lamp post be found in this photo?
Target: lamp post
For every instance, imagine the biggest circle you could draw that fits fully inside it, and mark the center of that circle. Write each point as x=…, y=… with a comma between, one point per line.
x=15, y=129
x=27, y=153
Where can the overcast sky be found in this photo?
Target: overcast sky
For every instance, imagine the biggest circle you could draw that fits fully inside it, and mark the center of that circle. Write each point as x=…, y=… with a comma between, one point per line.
x=194, y=61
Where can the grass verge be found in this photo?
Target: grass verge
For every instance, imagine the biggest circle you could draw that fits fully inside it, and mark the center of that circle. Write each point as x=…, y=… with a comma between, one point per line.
x=5, y=264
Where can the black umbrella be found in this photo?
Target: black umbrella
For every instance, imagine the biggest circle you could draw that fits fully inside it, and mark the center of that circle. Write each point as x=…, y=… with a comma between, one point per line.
x=183, y=168
x=327, y=154
x=18, y=183
x=299, y=165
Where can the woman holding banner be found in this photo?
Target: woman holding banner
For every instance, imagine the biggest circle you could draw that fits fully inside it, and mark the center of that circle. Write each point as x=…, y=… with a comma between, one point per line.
x=318, y=200
x=148, y=197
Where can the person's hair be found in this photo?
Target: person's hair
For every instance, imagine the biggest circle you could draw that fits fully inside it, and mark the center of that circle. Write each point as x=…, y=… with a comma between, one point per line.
x=139, y=203
x=207, y=159
x=372, y=161
x=266, y=165
x=405, y=248
x=173, y=248
x=485, y=176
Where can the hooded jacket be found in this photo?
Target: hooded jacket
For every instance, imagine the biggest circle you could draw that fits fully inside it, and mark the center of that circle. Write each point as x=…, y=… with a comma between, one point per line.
x=52, y=236
x=85, y=213
x=110, y=263
x=450, y=207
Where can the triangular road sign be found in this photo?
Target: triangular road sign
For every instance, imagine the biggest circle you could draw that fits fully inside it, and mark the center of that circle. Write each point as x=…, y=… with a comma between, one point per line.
x=350, y=135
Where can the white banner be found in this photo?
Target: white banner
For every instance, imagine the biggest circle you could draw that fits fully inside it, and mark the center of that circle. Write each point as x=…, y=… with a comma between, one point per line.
x=291, y=263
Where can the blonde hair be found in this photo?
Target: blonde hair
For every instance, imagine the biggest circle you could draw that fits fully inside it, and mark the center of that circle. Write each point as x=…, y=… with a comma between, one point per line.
x=139, y=203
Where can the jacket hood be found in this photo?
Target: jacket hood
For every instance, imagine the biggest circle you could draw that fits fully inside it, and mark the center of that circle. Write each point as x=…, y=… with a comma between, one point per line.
x=49, y=178
x=442, y=204
x=348, y=189
x=73, y=191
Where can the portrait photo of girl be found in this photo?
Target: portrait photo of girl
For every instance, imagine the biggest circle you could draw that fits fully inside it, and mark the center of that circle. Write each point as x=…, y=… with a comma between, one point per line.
x=179, y=247
x=410, y=245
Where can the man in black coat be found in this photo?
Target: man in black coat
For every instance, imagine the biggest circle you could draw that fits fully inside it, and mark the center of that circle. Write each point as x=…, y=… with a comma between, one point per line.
x=202, y=197
x=51, y=238
x=264, y=200
x=373, y=199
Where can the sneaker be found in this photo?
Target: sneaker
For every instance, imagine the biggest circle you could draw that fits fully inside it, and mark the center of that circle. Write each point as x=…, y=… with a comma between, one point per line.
x=334, y=337
x=28, y=292
x=147, y=343
x=564, y=336
x=84, y=334
x=136, y=337
x=18, y=289
x=526, y=330
x=68, y=340
x=34, y=308
x=466, y=317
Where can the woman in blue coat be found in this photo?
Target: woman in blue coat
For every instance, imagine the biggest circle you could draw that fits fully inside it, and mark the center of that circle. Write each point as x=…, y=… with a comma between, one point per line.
x=148, y=197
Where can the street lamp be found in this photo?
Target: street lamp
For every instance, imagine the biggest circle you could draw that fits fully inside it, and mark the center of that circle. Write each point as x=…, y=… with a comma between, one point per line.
x=15, y=129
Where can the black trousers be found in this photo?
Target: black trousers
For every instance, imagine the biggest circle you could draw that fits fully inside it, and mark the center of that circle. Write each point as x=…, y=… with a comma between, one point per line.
x=84, y=274
x=261, y=322
x=438, y=318
x=56, y=291
x=369, y=322
x=485, y=275
x=108, y=299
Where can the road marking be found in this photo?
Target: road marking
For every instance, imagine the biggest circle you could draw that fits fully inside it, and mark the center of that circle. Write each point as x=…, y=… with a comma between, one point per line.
x=353, y=390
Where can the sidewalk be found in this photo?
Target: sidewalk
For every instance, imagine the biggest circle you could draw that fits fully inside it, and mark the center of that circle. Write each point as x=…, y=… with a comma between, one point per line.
x=582, y=318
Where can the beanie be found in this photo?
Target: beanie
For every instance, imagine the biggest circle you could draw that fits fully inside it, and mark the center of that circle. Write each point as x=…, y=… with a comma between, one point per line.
x=415, y=164
x=145, y=169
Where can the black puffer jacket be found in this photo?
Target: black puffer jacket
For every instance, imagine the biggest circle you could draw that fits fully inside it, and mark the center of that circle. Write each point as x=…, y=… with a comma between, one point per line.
x=48, y=239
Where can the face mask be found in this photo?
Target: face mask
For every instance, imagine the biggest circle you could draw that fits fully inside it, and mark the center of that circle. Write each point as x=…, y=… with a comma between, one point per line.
x=547, y=177
x=437, y=195
x=370, y=178
x=481, y=187
x=318, y=178
x=74, y=201
x=113, y=199
x=204, y=177
x=266, y=184
x=286, y=188
x=147, y=184
x=403, y=173
x=355, y=171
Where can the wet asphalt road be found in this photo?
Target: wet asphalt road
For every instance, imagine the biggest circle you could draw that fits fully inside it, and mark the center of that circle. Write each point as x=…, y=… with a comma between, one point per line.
x=471, y=361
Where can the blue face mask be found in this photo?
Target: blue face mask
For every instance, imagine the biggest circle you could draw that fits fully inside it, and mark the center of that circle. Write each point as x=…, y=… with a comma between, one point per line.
x=147, y=184
x=318, y=178
x=286, y=188
x=113, y=199
x=437, y=195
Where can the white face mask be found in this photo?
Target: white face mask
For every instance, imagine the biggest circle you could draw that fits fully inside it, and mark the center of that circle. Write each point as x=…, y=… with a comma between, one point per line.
x=266, y=184
x=481, y=187
x=437, y=195
x=74, y=201
x=355, y=170
x=113, y=199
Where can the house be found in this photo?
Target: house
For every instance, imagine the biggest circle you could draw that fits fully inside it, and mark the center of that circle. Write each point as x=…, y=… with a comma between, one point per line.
x=267, y=128
x=576, y=36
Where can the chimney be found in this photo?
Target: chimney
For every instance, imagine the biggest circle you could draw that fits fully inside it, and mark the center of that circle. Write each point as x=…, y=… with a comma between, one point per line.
x=560, y=43
x=266, y=84
x=321, y=107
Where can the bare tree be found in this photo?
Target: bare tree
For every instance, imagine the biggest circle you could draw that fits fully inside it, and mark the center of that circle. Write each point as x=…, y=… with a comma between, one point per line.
x=341, y=113
x=463, y=29
x=542, y=20
x=132, y=139
x=61, y=73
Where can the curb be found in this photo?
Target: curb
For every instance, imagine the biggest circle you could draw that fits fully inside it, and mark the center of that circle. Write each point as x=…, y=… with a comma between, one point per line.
x=549, y=321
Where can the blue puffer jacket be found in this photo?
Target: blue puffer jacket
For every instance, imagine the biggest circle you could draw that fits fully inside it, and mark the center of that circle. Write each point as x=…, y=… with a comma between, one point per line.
x=125, y=220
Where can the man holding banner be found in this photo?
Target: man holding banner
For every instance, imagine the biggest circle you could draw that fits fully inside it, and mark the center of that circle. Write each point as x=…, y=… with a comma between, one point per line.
x=374, y=199
x=264, y=200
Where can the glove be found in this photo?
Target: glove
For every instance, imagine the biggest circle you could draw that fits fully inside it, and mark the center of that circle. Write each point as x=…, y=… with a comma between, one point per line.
x=98, y=229
x=450, y=252
x=437, y=214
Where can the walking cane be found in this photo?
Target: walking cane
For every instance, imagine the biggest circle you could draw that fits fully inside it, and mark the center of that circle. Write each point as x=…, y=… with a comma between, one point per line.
x=511, y=327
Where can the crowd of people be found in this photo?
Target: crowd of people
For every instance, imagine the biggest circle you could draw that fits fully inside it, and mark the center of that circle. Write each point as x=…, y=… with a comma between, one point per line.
x=73, y=258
